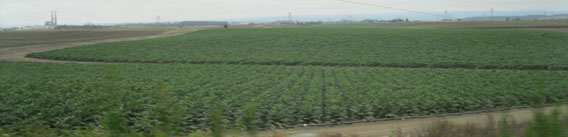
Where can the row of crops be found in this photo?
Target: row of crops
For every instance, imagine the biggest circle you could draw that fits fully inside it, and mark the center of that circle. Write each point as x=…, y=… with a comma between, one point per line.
x=76, y=95
x=458, y=48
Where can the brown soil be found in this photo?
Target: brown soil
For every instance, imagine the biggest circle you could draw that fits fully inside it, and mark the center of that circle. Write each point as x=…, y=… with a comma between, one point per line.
x=34, y=37
x=18, y=53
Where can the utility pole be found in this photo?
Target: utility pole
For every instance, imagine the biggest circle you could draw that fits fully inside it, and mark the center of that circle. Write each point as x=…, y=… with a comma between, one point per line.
x=290, y=16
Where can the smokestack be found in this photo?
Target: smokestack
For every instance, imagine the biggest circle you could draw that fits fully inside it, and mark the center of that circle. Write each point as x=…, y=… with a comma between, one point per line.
x=55, y=18
x=51, y=16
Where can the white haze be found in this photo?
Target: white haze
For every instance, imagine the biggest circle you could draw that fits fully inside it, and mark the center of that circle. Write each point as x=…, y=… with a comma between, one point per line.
x=32, y=12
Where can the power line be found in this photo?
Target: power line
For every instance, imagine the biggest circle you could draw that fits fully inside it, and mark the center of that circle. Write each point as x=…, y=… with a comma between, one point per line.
x=413, y=11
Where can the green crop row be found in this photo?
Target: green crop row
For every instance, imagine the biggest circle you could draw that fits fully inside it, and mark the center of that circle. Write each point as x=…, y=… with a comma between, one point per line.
x=408, y=48
x=77, y=95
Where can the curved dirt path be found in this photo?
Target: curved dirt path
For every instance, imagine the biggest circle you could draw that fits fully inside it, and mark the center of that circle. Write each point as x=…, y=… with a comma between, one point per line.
x=18, y=53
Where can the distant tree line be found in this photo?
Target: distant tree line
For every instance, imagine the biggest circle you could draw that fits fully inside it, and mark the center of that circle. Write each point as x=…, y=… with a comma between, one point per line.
x=145, y=25
x=173, y=24
x=86, y=26
x=392, y=20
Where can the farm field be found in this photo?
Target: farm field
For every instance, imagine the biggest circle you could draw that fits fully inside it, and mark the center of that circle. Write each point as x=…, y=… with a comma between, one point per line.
x=407, y=48
x=283, y=68
x=543, y=25
x=76, y=95
x=483, y=24
x=23, y=38
x=290, y=75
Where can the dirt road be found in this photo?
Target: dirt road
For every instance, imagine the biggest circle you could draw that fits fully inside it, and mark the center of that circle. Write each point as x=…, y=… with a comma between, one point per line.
x=18, y=53
x=386, y=128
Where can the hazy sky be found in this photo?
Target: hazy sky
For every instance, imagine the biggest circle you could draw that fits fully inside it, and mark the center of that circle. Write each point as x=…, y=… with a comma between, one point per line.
x=29, y=12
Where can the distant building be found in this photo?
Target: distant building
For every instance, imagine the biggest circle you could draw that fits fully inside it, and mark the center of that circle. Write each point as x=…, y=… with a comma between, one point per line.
x=34, y=27
x=201, y=23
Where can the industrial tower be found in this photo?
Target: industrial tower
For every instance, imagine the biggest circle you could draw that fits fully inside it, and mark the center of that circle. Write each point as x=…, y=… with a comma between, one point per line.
x=53, y=22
